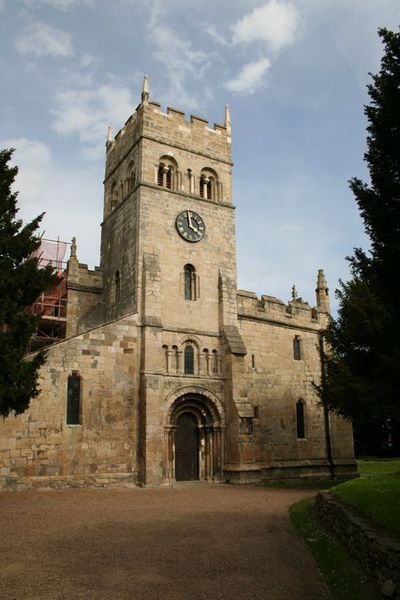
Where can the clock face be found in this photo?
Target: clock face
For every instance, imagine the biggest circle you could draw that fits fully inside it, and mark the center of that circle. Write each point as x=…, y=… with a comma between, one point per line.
x=190, y=226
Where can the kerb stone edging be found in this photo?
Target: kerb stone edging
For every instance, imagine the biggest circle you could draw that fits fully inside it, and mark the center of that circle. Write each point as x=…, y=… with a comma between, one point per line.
x=377, y=551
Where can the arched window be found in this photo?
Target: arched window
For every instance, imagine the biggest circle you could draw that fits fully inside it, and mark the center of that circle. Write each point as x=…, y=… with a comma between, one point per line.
x=175, y=359
x=300, y=420
x=168, y=178
x=208, y=185
x=114, y=195
x=166, y=357
x=74, y=399
x=166, y=173
x=189, y=360
x=130, y=177
x=160, y=175
x=117, y=283
x=296, y=348
x=189, y=273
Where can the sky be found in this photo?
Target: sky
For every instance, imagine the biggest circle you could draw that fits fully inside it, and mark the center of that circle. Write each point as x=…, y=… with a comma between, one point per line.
x=294, y=74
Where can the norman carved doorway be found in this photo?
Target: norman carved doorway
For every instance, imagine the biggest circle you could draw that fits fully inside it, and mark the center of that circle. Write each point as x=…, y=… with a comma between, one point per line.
x=186, y=448
x=194, y=446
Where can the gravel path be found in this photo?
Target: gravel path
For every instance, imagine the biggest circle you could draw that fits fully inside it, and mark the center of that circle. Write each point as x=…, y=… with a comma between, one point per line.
x=191, y=542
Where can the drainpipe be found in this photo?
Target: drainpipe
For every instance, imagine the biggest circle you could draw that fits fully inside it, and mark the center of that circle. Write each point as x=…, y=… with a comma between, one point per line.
x=328, y=439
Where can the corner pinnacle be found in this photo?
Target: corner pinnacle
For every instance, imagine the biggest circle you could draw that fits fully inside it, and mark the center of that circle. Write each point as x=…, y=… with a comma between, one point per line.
x=145, y=89
x=109, y=135
x=227, y=119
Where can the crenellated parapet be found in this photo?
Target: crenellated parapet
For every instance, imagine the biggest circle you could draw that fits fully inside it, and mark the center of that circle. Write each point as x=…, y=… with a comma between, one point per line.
x=295, y=313
x=192, y=134
x=165, y=149
x=172, y=125
x=80, y=275
x=84, y=292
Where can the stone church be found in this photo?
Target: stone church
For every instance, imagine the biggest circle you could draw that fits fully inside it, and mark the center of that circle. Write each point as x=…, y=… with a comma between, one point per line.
x=168, y=372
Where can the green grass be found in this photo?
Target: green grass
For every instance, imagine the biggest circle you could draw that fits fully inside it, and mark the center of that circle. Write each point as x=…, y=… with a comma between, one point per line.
x=376, y=493
x=379, y=467
x=342, y=574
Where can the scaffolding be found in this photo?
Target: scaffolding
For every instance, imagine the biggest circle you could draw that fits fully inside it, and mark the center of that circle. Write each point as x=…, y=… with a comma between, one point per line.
x=51, y=304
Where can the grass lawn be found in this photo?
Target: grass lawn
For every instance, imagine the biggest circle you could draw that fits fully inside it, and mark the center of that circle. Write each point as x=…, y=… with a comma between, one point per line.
x=376, y=493
x=341, y=573
x=378, y=467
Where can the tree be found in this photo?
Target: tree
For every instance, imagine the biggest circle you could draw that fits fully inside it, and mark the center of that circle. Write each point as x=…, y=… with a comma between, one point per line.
x=21, y=282
x=362, y=373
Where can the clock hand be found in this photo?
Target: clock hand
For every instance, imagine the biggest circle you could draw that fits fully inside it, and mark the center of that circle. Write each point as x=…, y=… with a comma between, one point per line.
x=190, y=223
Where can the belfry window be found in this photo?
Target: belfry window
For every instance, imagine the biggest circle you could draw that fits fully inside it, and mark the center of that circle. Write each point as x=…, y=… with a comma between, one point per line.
x=114, y=196
x=130, y=177
x=74, y=399
x=207, y=186
x=189, y=360
x=160, y=175
x=189, y=273
x=117, y=284
x=296, y=348
x=300, y=420
x=168, y=178
x=166, y=174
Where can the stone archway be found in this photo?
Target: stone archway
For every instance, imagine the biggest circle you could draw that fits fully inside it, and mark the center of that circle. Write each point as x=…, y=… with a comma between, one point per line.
x=194, y=444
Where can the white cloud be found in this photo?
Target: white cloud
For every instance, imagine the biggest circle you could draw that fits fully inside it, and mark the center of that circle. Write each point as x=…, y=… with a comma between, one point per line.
x=40, y=39
x=249, y=77
x=180, y=61
x=217, y=37
x=87, y=113
x=32, y=158
x=58, y=4
x=45, y=186
x=276, y=23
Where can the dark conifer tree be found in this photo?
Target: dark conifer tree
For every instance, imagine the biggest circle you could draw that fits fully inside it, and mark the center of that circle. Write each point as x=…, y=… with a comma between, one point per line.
x=363, y=370
x=21, y=282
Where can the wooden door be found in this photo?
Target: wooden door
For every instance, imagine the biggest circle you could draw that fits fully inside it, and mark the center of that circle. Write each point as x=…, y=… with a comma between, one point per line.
x=186, y=448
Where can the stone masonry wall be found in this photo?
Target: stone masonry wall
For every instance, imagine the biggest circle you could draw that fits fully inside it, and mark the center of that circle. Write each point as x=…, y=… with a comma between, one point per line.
x=39, y=444
x=378, y=552
x=85, y=288
x=274, y=381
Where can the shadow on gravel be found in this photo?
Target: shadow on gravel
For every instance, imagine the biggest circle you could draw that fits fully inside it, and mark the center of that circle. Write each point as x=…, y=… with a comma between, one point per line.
x=171, y=545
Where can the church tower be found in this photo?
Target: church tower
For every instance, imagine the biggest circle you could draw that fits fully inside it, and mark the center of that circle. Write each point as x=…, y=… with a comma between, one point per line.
x=168, y=240
x=168, y=196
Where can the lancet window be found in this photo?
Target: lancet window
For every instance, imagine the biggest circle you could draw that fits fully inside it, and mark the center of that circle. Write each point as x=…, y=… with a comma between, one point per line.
x=190, y=282
x=74, y=399
x=296, y=348
x=188, y=356
x=300, y=420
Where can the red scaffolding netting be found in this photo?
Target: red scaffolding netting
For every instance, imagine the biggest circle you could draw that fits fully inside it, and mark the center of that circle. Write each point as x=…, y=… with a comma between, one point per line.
x=51, y=304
